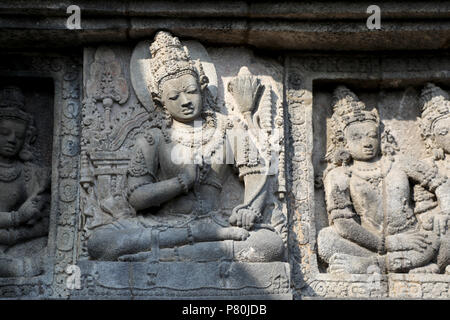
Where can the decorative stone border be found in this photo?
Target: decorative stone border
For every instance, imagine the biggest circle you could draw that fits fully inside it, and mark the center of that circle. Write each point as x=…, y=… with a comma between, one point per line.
x=66, y=74
x=301, y=71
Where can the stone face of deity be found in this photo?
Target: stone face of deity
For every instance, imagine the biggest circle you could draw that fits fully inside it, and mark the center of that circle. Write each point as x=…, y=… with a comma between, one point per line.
x=362, y=140
x=12, y=137
x=441, y=132
x=182, y=98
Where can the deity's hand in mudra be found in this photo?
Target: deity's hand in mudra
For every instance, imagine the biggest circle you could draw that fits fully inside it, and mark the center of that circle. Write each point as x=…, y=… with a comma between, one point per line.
x=30, y=210
x=244, y=217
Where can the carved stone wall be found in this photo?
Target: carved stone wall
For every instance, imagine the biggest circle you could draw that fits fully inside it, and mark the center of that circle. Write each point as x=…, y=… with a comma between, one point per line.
x=109, y=134
x=293, y=211
x=59, y=76
x=392, y=84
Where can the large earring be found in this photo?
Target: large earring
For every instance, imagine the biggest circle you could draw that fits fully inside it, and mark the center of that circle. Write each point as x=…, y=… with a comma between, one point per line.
x=157, y=100
x=204, y=83
x=26, y=154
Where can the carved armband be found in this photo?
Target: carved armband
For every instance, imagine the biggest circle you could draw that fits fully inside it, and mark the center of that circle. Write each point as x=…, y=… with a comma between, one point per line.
x=138, y=167
x=339, y=199
x=339, y=204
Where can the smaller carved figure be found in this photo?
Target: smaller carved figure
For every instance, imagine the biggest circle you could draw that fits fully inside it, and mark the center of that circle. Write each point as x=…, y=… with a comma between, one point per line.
x=435, y=125
x=24, y=196
x=372, y=222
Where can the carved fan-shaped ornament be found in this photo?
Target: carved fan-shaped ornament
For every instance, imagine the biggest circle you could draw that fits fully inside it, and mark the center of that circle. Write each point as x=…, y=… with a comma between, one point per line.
x=106, y=83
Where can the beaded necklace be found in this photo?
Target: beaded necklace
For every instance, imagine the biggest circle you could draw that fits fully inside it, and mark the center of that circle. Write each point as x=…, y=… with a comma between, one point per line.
x=9, y=173
x=373, y=175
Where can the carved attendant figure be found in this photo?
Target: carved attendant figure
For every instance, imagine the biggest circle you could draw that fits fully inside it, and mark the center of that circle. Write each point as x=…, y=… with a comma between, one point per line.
x=177, y=173
x=435, y=125
x=372, y=222
x=24, y=191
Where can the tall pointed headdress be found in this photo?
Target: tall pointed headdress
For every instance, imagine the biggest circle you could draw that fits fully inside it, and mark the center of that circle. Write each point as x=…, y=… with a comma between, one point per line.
x=347, y=109
x=12, y=103
x=434, y=105
x=169, y=60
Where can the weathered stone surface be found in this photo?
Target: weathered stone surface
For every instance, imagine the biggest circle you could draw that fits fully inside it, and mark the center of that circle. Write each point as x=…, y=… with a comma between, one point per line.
x=51, y=89
x=145, y=199
x=398, y=97
x=286, y=25
x=195, y=151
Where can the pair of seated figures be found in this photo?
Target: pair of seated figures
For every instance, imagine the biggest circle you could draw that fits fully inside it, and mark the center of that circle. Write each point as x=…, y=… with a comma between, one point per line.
x=386, y=215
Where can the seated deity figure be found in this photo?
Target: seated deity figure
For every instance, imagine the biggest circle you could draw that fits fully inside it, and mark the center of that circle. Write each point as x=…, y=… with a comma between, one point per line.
x=24, y=196
x=435, y=125
x=373, y=227
x=177, y=172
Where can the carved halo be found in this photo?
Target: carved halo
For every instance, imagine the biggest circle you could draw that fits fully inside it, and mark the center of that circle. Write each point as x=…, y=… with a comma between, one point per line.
x=141, y=72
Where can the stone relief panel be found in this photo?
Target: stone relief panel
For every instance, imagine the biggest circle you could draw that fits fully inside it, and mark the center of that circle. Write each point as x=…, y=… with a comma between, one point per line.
x=182, y=171
x=40, y=148
x=435, y=127
x=368, y=198
x=370, y=206
x=25, y=183
x=175, y=164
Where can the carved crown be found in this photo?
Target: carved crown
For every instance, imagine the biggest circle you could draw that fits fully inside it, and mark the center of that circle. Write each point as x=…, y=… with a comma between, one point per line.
x=12, y=102
x=435, y=105
x=348, y=109
x=169, y=61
